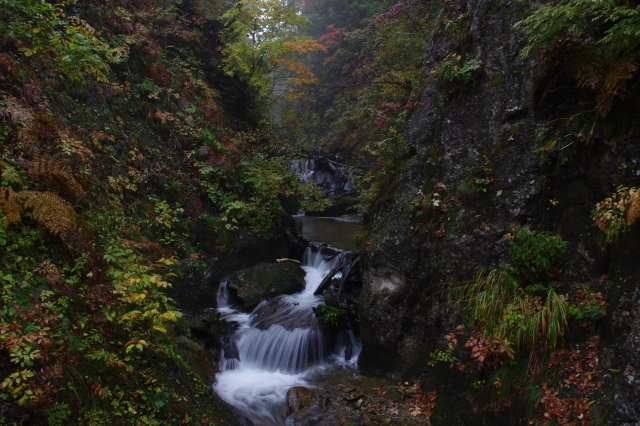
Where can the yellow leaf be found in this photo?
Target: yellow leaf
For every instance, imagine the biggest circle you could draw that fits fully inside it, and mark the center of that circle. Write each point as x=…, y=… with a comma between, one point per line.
x=169, y=315
x=549, y=146
x=160, y=328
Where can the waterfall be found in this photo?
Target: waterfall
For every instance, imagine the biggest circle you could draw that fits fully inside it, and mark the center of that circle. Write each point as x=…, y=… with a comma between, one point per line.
x=332, y=180
x=272, y=348
x=222, y=298
x=303, y=168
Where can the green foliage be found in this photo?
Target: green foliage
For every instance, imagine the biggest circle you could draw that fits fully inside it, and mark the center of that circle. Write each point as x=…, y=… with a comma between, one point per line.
x=312, y=197
x=615, y=215
x=476, y=179
x=58, y=414
x=371, y=65
x=458, y=74
x=377, y=183
x=606, y=23
x=67, y=43
x=445, y=355
x=509, y=379
x=496, y=301
x=517, y=303
x=589, y=310
x=165, y=218
x=3, y=233
x=595, y=43
x=330, y=316
x=536, y=258
x=144, y=156
x=261, y=37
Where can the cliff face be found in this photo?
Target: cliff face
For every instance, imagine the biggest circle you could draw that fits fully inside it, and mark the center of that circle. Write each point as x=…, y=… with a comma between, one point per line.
x=486, y=130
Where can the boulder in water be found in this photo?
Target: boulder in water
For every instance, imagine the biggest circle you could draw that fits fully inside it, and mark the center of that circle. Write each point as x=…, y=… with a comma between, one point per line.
x=266, y=280
x=299, y=397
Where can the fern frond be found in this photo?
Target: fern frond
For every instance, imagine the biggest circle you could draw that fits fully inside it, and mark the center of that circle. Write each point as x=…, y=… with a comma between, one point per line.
x=614, y=84
x=51, y=172
x=11, y=207
x=47, y=208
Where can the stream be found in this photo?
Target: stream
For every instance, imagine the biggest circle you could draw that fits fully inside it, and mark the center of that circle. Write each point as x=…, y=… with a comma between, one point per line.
x=281, y=344
x=338, y=232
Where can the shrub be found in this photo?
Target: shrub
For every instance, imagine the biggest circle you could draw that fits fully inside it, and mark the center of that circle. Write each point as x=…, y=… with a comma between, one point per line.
x=595, y=41
x=458, y=74
x=517, y=304
x=476, y=180
x=616, y=214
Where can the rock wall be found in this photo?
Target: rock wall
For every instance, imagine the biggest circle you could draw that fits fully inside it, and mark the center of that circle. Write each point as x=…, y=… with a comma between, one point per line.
x=409, y=263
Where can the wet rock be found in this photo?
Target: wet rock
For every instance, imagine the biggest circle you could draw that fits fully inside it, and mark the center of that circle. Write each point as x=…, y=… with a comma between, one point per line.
x=372, y=408
x=266, y=280
x=327, y=172
x=330, y=300
x=245, y=249
x=393, y=394
x=284, y=312
x=299, y=397
x=308, y=406
x=207, y=327
x=353, y=396
x=340, y=205
x=228, y=342
x=627, y=393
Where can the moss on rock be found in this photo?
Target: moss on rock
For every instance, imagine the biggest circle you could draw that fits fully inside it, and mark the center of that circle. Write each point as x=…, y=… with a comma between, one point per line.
x=266, y=280
x=340, y=205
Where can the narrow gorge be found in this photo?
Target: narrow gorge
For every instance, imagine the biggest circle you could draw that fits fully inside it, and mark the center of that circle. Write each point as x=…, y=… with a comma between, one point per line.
x=319, y=212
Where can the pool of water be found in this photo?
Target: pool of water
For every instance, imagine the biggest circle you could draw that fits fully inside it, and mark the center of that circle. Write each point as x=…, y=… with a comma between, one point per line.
x=339, y=232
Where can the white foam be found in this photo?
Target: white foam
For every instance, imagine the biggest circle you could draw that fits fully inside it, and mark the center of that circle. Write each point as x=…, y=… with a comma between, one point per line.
x=257, y=392
x=278, y=344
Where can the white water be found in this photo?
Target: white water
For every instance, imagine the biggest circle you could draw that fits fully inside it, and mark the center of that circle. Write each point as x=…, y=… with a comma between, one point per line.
x=332, y=180
x=278, y=344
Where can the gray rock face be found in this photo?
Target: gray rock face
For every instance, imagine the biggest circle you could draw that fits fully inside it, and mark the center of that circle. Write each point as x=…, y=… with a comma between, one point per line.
x=407, y=263
x=412, y=261
x=627, y=392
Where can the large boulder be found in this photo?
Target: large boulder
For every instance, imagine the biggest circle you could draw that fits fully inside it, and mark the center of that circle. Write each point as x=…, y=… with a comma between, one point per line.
x=299, y=397
x=196, y=291
x=266, y=280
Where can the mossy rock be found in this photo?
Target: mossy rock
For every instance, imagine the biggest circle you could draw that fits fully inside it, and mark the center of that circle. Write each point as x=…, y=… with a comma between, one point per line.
x=340, y=205
x=201, y=360
x=266, y=280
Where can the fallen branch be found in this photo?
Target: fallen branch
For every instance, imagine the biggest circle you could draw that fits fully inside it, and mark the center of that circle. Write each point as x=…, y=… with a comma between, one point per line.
x=326, y=281
x=286, y=259
x=346, y=276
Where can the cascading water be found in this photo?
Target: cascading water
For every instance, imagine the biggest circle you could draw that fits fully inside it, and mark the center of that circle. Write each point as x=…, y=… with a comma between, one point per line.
x=275, y=346
x=332, y=179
